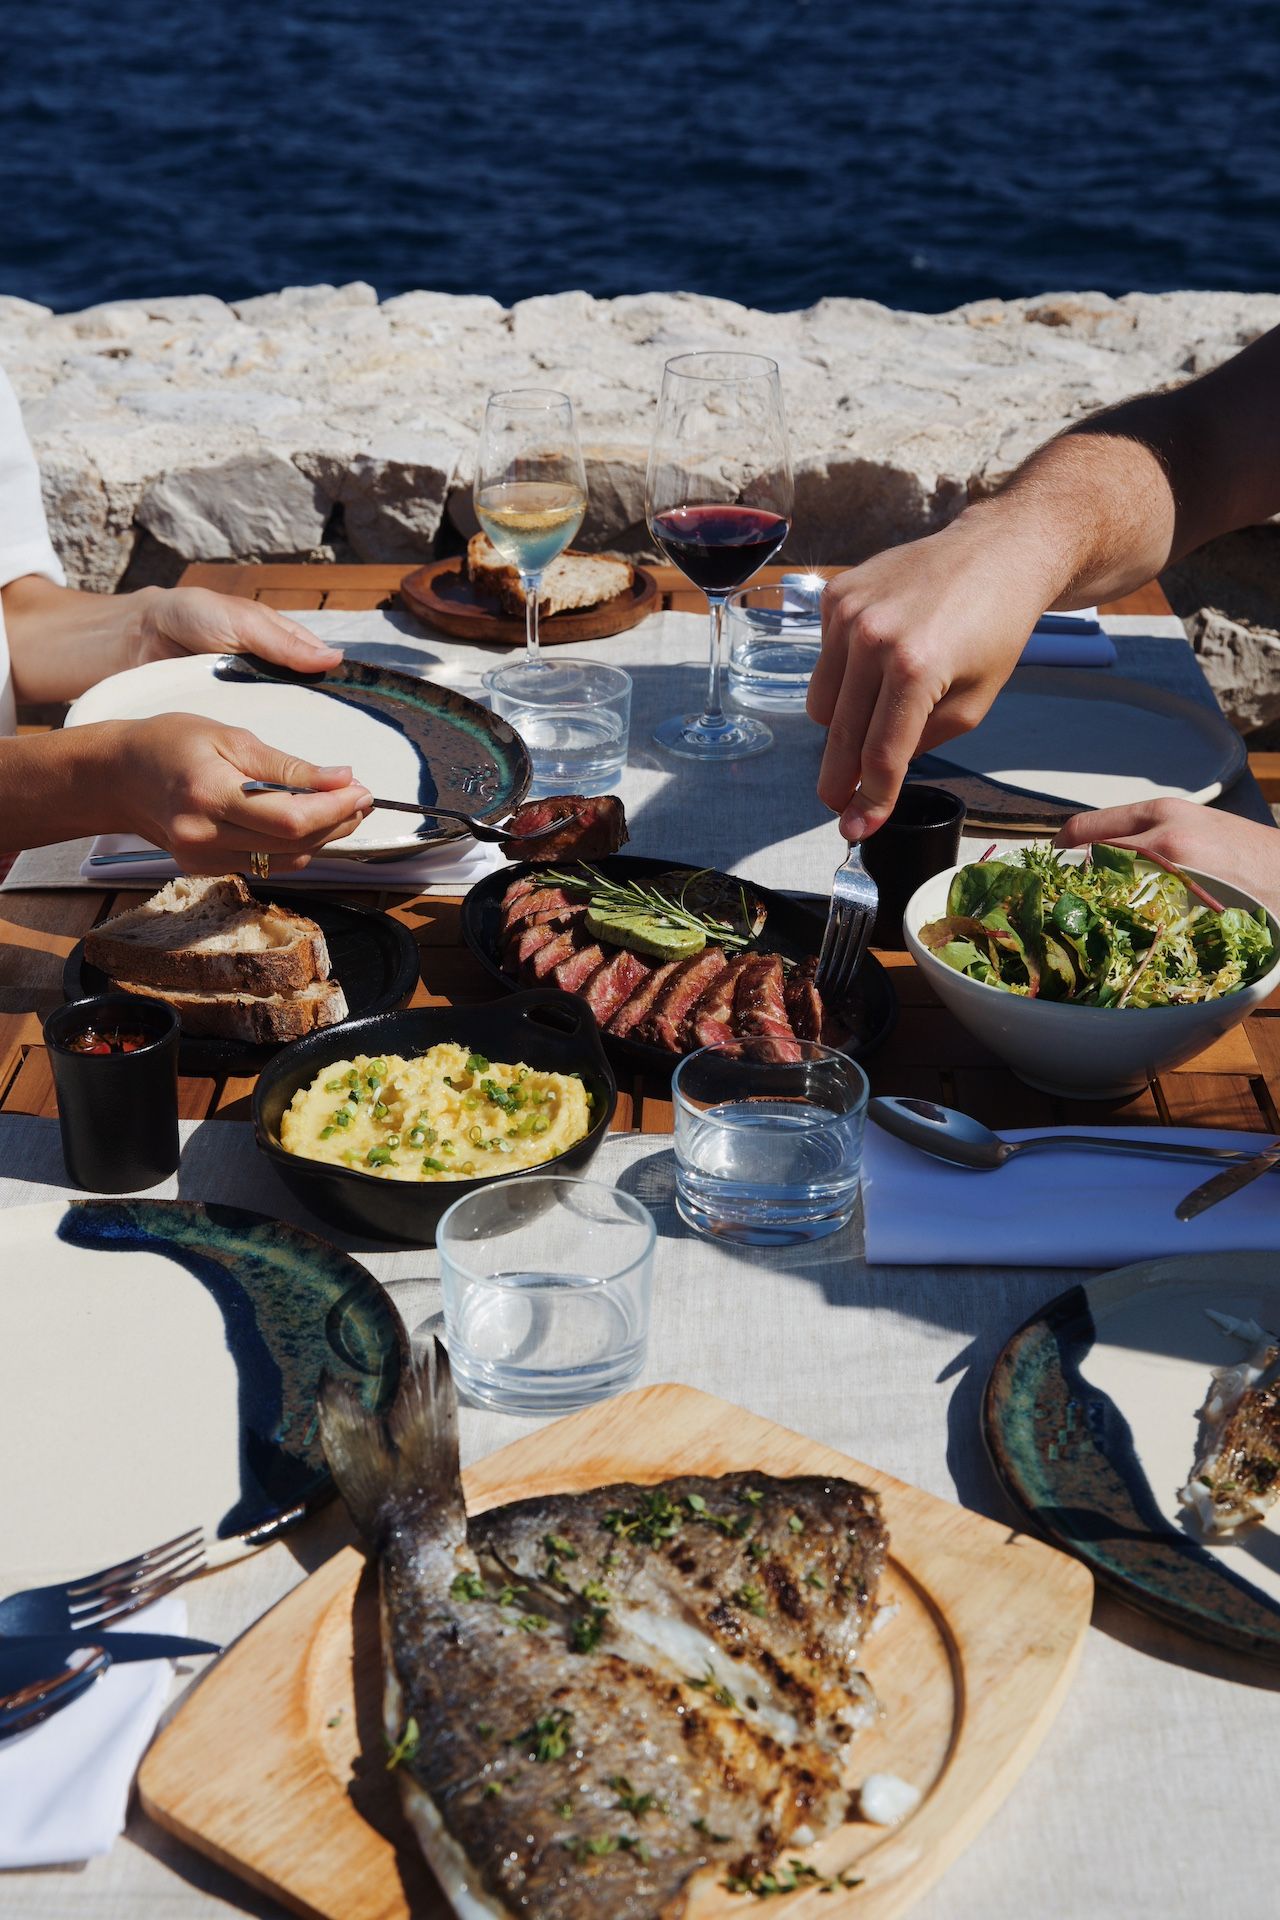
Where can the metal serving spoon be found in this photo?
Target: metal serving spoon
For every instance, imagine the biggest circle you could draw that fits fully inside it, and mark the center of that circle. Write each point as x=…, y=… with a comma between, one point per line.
x=965, y=1142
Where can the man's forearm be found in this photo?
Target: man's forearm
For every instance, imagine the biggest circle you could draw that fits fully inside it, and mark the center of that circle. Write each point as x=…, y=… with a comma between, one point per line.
x=62, y=641
x=60, y=786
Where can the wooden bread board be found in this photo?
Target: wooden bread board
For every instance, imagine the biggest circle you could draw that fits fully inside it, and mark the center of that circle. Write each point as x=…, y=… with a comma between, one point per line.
x=275, y=1764
x=441, y=596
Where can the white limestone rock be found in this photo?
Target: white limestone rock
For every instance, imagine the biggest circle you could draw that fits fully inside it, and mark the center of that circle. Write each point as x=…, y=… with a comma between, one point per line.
x=256, y=505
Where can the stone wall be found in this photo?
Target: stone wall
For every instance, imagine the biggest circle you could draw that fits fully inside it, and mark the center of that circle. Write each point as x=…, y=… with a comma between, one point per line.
x=318, y=422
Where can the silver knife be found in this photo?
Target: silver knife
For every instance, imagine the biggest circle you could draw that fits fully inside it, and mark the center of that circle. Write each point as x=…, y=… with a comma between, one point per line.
x=1224, y=1184
x=27, y=1657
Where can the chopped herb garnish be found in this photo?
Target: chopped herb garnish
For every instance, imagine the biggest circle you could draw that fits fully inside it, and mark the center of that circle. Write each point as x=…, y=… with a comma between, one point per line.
x=506, y=1596
x=492, y=1789
x=657, y=1518
x=476, y=1063
x=484, y=1728
x=468, y=1586
x=335, y=1719
x=557, y=1544
x=600, y=1844
x=598, y=1594
x=795, y=1523
x=405, y=1747
x=695, y=1502
x=434, y=1166
x=712, y=1687
x=814, y=1579
x=751, y=1497
x=788, y=1879
x=753, y=1599
x=565, y=1810
x=586, y=1634
x=508, y=1099
x=533, y=1623
x=700, y=1826
x=629, y=1801
x=549, y=1736
x=757, y=1550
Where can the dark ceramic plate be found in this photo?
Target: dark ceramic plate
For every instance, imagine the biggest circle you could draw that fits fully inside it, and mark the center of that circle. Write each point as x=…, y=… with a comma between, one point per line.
x=794, y=927
x=374, y=958
x=1090, y=1420
x=190, y=1341
x=552, y=1031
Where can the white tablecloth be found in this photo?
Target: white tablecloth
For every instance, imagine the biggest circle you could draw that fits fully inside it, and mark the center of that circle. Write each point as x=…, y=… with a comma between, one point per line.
x=1154, y=1794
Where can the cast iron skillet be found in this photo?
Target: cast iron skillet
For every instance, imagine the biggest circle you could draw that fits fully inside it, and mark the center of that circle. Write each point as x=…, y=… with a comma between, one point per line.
x=794, y=927
x=552, y=1031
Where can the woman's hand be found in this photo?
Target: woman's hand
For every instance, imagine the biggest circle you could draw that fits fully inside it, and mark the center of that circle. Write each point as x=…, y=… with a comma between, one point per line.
x=1243, y=852
x=916, y=644
x=178, y=780
x=177, y=620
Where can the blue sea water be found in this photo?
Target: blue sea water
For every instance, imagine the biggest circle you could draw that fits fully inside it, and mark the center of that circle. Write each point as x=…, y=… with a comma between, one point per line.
x=771, y=151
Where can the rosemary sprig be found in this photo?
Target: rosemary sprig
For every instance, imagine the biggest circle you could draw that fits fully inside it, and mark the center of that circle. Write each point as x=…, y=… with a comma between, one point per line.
x=632, y=896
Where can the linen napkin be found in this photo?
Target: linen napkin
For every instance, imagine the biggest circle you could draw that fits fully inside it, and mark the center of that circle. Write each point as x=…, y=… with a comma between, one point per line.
x=448, y=869
x=1064, y=1207
x=64, y=1786
x=1069, y=640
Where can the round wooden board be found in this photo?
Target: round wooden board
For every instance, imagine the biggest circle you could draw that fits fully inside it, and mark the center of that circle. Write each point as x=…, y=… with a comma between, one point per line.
x=275, y=1766
x=441, y=596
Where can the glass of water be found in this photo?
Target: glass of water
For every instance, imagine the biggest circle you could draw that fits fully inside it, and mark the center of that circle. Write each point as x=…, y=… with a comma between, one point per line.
x=575, y=722
x=768, y=1140
x=547, y=1285
x=775, y=637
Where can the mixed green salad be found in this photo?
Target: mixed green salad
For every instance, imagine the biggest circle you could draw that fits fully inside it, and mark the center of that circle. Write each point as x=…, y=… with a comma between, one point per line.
x=1116, y=931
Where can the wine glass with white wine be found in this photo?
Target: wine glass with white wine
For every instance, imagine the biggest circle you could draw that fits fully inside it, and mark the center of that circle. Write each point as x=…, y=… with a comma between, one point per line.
x=530, y=496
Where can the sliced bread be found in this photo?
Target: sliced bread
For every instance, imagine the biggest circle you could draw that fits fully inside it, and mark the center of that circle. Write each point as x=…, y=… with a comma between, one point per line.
x=266, y=1019
x=202, y=934
x=570, y=584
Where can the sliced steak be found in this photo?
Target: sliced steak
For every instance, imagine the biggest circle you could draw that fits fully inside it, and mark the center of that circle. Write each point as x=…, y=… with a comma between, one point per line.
x=561, y=946
x=597, y=827
x=616, y=981
x=571, y=976
x=664, y=1024
x=711, y=1020
x=803, y=1001
x=520, y=945
x=534, y=904
x=637, y=1004
x=759, y=1009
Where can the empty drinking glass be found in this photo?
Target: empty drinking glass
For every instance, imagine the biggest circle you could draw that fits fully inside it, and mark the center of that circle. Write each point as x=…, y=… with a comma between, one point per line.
x=547, y=1284
x=768, y=1139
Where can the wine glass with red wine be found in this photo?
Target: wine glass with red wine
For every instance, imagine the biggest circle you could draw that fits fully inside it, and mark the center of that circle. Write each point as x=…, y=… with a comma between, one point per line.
x=718, y=499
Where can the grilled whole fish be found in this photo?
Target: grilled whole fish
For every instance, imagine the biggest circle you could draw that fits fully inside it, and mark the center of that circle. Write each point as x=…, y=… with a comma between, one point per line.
x=593, y=1696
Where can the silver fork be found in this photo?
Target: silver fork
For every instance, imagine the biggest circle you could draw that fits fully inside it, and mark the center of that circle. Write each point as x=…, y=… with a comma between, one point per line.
x=855, y=899
x=478, y=829
x=76, y=1606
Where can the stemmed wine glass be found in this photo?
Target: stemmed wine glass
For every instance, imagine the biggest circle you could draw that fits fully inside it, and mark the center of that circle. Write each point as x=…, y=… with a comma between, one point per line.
x=718, y=499
x=530, y=495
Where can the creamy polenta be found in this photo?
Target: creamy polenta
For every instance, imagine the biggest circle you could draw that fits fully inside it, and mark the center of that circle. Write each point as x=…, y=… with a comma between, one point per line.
x=448, y=1115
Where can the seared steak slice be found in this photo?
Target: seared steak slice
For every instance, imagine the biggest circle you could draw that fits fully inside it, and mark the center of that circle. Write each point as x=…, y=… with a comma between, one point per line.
x=596, y=828
x=664, y=1023
x=520, y=945
x=710, y=1022
x=571, y=976
x=534, y=904
x=561, y=946
x=759, y=1009
x=616, y=981
x=803, y=1001
x=638, y=1003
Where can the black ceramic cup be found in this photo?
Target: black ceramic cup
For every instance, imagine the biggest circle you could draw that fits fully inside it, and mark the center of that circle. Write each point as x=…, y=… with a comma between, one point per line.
x=118, y=1111
x=921, y=837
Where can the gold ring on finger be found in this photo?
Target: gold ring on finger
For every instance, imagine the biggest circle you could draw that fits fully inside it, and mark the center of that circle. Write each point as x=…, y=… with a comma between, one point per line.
x=260, y=865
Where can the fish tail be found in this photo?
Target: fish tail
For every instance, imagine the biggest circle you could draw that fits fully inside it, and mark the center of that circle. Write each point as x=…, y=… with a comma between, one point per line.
x=406, y=1457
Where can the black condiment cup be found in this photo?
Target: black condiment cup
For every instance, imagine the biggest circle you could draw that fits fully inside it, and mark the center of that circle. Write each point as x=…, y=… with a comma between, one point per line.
x=118, y=1111
x=921, y=837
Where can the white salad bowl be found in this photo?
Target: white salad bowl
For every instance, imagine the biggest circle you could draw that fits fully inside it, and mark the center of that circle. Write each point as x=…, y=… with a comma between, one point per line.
x=1095, y=1053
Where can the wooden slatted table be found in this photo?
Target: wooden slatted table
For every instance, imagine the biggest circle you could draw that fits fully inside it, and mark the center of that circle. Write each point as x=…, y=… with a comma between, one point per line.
x=1235, y=1083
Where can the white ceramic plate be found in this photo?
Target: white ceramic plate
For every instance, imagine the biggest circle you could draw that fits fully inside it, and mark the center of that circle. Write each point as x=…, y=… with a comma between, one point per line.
x=1100, y=740
x=1092, y=1418
x=404, y=737
x=161, y=1366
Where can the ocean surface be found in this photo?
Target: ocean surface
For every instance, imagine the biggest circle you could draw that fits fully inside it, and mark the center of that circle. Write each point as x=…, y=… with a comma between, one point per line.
x=919, y=154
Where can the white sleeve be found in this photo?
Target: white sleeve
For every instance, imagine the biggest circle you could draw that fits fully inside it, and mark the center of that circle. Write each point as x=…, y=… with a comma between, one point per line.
x=25, y=546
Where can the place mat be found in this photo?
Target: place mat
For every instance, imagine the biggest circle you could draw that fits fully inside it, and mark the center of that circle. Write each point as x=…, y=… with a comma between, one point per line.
x=1105, y=1210
x=886, y=1364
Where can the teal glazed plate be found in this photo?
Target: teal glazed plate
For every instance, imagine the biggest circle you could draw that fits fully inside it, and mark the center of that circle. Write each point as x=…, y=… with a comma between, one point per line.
x=1091, y=1417
x=406, y=738
x=162, y=1360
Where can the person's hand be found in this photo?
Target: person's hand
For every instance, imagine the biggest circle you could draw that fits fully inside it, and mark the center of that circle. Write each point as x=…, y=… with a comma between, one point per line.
x=177, y=620
x=1243, y=852
x=916, y=644
x=177, y=783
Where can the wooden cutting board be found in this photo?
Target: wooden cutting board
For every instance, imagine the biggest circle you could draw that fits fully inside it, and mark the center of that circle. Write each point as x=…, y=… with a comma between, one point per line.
x=441, y=596
x=275, y=1764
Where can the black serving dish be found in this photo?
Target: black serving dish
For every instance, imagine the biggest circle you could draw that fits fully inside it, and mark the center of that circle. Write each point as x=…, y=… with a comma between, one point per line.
x=794, y=927
x=552, y=1031
x=373, y=958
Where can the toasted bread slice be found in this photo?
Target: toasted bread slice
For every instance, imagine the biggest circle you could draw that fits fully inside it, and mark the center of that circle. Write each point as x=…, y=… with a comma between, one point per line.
x=209, y=935
x=267, y=1019
x=570, y=584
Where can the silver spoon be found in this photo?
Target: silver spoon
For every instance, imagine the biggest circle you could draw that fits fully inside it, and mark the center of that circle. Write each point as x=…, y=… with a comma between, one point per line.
x=964, y=1142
